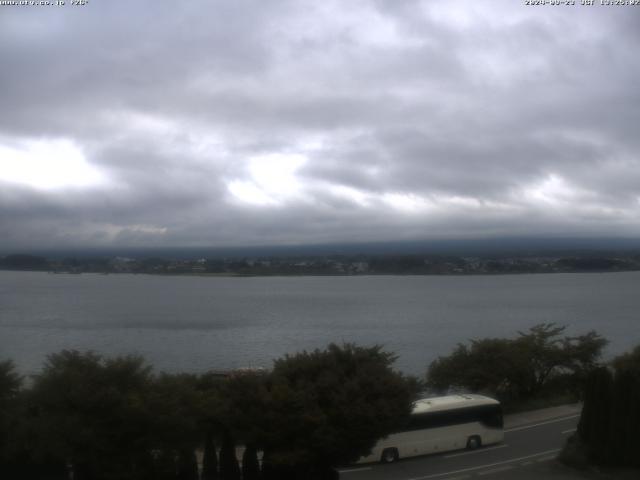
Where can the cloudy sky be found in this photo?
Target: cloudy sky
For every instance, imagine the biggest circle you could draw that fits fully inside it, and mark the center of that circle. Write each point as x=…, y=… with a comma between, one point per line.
x=253, y=122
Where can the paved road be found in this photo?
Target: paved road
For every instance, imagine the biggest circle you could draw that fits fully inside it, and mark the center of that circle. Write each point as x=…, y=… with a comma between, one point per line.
x=530, y=440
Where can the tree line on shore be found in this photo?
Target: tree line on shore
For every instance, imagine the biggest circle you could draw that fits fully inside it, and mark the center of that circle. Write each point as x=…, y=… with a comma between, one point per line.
x=536, y=367
x=114, y=418
x=541, y=367
x=338, y=264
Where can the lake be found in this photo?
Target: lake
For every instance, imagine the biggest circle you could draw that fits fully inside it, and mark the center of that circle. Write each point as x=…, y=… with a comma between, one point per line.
x=185, y=323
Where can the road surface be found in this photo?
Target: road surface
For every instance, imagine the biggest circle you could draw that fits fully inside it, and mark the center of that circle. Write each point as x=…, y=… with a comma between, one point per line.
x=528, y=442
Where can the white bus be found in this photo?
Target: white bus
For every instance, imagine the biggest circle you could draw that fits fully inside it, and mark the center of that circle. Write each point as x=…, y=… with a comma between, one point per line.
x=440, y=424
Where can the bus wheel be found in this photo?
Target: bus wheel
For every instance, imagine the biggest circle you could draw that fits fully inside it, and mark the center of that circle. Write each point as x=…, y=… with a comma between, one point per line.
x=474, y=442
x=389, y=455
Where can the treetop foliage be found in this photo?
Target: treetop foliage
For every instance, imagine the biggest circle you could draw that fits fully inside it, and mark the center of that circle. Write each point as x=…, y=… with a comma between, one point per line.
x=628, y=362
x=114, y=419
x=10, y=381
x=517, y=368
x=329, y=407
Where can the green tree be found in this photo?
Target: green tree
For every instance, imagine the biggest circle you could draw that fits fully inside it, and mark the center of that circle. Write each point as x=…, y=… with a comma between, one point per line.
x=250, y=464
x=91, y=412
x=490, y=365
x=243, y=399
x=10, y=384
x=595, y=421
x=625, y=424
x=329, y=407
x=229, y=468
x=241, y=409
x=629, y=362
x=174, y=403
x=187, y=465
x=163, y=465
x=209, y=458
x=610, y=419
x=521, y=368
x=547, y=354
x=214, y=414
x=620, y=437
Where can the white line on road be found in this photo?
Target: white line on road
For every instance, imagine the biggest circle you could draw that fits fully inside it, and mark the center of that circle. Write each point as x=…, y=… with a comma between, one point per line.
x=496, y=470
x=571, y=430
x=476, y=451
x=546, y=459
x=361, y=469
x=541, y=423
x=486, y=466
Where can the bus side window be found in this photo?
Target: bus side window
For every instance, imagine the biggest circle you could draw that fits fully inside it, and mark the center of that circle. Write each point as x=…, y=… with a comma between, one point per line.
x=492, y=417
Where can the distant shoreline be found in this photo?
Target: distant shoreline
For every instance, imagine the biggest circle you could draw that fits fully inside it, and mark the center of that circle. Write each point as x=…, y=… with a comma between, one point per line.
x=332, y=265
x=369, y=274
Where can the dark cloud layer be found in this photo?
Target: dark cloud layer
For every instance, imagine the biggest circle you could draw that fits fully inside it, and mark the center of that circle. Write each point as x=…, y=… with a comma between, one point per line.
x=248, y=122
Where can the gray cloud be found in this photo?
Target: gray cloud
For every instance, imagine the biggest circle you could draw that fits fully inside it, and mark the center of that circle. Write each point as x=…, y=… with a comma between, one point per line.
x=247, y=122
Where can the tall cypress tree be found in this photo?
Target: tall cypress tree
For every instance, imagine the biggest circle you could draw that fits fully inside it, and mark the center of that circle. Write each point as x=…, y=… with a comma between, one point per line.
x=600, y=442
x=229, y=468
x=633, y=423
x=250, y=464
x=610, y=419
x=620, y=437
x=165, y=465
x=209, y=459
x=625, y=425
x=187, y=465
x=586, y=422
x=627, y=368
x=267, y=470
x=594, y=427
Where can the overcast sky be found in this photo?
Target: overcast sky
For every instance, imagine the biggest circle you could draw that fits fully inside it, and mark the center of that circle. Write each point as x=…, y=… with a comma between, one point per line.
x=215, y=123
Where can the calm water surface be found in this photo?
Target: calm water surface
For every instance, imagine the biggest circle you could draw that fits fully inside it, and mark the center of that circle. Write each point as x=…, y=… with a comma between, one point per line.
x=198, y=323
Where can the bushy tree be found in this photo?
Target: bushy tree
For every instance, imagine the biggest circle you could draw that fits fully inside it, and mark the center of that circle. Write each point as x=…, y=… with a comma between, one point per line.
x=91, y=412
x=610, y=419
x=519, y=368
x=211, y=415
x=629, y=362
x=10, y=384
x=624, y=445
x=243, y=399
x=548, y=354
x=329, y=407
x=110, y=418
x=595, y=420
x=489, y=365
x=174, y=403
